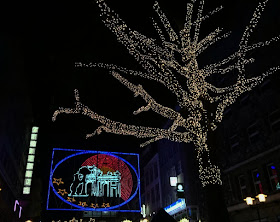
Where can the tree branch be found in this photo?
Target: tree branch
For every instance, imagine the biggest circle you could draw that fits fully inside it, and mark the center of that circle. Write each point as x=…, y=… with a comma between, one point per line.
x=115, y=127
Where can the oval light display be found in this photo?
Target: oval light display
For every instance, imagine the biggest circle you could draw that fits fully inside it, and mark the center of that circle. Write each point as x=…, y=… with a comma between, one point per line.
x=93, y=181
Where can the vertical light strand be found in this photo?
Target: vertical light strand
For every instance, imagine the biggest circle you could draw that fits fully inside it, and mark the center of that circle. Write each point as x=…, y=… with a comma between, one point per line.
x=30, y=160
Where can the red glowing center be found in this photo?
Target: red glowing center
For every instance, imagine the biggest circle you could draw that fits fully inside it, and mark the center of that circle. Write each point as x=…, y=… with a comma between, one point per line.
x=110, y=163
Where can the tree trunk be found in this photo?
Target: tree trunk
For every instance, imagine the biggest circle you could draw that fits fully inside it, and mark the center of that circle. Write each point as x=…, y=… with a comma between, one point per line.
x=215, y=203
x=214, y=196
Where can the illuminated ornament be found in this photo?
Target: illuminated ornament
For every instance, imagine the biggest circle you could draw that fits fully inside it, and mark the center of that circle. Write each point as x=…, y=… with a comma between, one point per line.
x=105, y=205
x=83, y=204
x=94, y=205
x=194, y=93
x=62, y=192
x=58, y=181
x=184, y=220
x=71, y=199
x=98, y=182
x=74, y=220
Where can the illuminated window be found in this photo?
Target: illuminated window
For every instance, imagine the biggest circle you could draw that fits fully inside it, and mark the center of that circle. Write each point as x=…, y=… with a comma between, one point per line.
x=273, y=175
x=33, y=143
x=33, y=136
x=27, y=182
x=35, y=129
x=257, y=181
x=29, y=166
x=31, y=150
x=28, y=173
x=31, y=158
x=26, y=190
x=242, y=185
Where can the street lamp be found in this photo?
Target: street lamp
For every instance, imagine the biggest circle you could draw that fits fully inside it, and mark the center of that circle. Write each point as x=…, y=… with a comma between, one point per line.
x=250, y=201
x=262, y=197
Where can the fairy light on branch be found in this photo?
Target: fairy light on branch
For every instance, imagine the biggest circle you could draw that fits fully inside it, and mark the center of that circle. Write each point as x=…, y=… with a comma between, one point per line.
x=159, y=64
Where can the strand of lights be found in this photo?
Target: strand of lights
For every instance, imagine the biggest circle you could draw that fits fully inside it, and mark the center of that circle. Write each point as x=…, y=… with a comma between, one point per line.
x=30, y=160
x=159, y=64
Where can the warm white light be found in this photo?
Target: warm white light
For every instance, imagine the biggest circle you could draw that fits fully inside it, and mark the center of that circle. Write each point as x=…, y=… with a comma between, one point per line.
x=158, y=61
x=173, y=181
x=261, y=197
x=249, y=200
x=184, y=220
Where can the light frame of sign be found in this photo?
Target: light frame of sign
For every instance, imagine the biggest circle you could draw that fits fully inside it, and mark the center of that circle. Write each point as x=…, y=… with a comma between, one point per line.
x=176, y=207
x=80, y=208
x=30, y=160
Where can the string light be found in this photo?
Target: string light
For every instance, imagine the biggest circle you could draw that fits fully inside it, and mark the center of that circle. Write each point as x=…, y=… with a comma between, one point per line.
x=159, y=64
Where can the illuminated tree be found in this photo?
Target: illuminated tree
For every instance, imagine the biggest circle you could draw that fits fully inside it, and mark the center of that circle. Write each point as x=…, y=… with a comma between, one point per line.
x=194, y=95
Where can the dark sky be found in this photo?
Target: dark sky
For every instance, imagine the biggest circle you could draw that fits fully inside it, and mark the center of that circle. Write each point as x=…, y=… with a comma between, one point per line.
x=52, y=35
x=60, y=33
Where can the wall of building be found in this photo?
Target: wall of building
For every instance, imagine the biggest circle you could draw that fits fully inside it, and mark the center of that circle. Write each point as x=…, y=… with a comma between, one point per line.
x=250, y=153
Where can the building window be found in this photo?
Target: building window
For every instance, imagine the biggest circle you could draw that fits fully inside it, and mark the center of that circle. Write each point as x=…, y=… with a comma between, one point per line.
x=274, y=119
x=157, y=192
x=253, y=133
x=179, y=168
x=147, y=178
x=234, y=142
x=153, y=195
x=151, y=174
x=156, y=170
x=257, y=181
x=244, y=99
x=148, y=197
x=273, y=175
x=242, y=185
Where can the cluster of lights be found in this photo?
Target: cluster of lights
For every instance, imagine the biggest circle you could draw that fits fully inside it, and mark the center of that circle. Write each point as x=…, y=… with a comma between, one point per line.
x=184, y=220
x=75, y=220
x=159, y=63
x=30, y=160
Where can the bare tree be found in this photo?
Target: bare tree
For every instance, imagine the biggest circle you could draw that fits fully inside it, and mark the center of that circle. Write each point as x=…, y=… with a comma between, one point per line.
x=194, y=94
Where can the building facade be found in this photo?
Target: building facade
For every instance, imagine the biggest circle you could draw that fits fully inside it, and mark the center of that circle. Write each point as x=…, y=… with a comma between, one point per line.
x=250, y=154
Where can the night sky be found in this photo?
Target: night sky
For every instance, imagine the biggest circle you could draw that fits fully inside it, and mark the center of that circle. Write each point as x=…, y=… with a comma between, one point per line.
x=61, y=33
